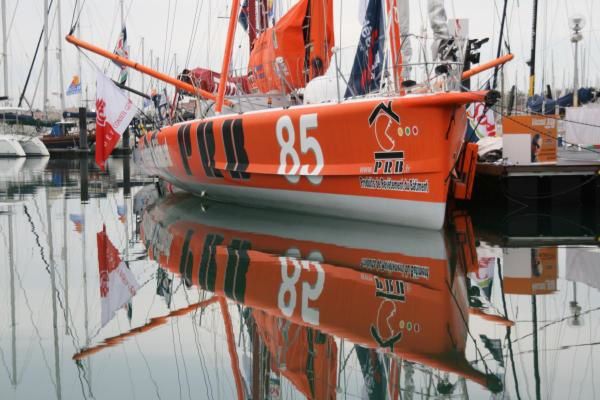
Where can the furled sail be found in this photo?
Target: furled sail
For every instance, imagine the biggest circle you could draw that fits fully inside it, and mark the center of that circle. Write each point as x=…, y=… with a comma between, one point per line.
x=295, y=50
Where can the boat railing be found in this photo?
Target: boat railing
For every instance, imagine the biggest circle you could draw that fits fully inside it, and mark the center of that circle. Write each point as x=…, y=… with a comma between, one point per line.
x=291, y=77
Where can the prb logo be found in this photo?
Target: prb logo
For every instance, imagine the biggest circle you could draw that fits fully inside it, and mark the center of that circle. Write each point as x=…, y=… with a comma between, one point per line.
x=385, y=123
x=388, y=163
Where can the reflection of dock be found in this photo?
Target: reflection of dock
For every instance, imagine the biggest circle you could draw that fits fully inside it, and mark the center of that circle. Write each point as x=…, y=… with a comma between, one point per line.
x=72, y=174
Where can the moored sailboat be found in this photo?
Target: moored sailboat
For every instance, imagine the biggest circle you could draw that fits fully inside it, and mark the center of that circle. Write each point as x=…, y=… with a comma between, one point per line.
x=378, y=155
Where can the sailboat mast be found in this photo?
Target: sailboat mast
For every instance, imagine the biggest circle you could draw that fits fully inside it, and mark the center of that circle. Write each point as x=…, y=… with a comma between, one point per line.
x=533, y=48
x=78, y=32
x=45, y=68
x=122, y=15
x=143, y=61
x=4, y=48
x=61, y=78
x=500, y=39
x=227, y=56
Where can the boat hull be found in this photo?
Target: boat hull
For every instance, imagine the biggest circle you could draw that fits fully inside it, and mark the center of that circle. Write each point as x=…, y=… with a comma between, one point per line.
x=383, y=160
x=10, y=147
x=33, y=147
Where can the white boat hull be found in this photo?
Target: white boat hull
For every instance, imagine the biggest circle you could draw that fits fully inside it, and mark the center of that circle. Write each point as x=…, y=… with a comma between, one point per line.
x=34, y=147
x=10, y=147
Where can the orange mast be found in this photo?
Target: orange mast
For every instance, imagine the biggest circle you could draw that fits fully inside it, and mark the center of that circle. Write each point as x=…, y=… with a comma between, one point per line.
x=186, y=87
x=395, y=41
x=227, y=57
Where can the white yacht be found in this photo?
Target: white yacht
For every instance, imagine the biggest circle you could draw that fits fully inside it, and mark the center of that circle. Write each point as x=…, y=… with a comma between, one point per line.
x=10, y=147
x=16, y=125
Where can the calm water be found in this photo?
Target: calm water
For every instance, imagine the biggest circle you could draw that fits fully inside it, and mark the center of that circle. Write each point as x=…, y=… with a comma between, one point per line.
x=109, y=292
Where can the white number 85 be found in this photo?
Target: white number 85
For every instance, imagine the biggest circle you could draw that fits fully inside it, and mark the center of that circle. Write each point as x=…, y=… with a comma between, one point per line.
x=307, y=143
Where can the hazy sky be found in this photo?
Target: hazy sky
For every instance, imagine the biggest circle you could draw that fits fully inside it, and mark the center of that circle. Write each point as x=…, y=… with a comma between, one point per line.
x=167, y=27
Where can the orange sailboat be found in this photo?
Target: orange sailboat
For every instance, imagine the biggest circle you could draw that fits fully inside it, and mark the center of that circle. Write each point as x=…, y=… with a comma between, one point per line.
x=372, y=154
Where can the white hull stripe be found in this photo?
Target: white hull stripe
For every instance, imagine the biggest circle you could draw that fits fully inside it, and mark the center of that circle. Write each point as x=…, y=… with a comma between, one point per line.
x=419, y=214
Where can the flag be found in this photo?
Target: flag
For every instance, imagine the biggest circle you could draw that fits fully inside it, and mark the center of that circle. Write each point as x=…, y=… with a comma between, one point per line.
x=74, y=86
x=114, y=112
x=243, y=17
x=481, y=122
x=367, y=69
x=122, y=212
x=122, y=49
x=78, y=221
x=117, y=283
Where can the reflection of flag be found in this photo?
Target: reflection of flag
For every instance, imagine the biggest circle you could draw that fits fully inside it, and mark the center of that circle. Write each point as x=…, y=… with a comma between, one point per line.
x=368, y=62
x=117, y=283
x=74, y=86
x=122, y=212
x=78, y=221
x=163, y=285
x=122, y=50
x=494, y=346
x=114, y=112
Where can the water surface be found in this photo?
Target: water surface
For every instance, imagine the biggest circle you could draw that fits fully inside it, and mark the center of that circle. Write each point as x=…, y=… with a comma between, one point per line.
x=109, y=291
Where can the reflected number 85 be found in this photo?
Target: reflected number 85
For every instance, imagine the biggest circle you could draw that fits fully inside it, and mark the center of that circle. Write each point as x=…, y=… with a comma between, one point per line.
x=307, y=143
x=287, y=298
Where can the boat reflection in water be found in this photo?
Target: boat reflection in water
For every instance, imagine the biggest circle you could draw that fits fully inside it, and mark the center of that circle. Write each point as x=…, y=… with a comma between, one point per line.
x=312, y=291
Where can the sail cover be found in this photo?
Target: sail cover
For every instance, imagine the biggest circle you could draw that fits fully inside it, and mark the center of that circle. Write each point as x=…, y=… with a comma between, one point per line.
x=368, y=62
x=295, y=50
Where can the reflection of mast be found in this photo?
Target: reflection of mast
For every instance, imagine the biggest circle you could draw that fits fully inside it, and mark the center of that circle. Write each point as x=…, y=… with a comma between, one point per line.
x=84, y=198
x=508, y=329
x=54, y=294
x=235, y=365
x=536, y=362
x=575, y=308
x=66, y=272
x=13, y=322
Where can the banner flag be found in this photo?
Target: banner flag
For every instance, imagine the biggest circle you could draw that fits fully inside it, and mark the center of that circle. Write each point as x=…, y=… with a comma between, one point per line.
x=114, y=112
x=122, y=49
x=367, y=69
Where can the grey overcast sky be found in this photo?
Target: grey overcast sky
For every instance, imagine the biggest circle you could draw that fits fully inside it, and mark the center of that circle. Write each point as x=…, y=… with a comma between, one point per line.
x=167, y=29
